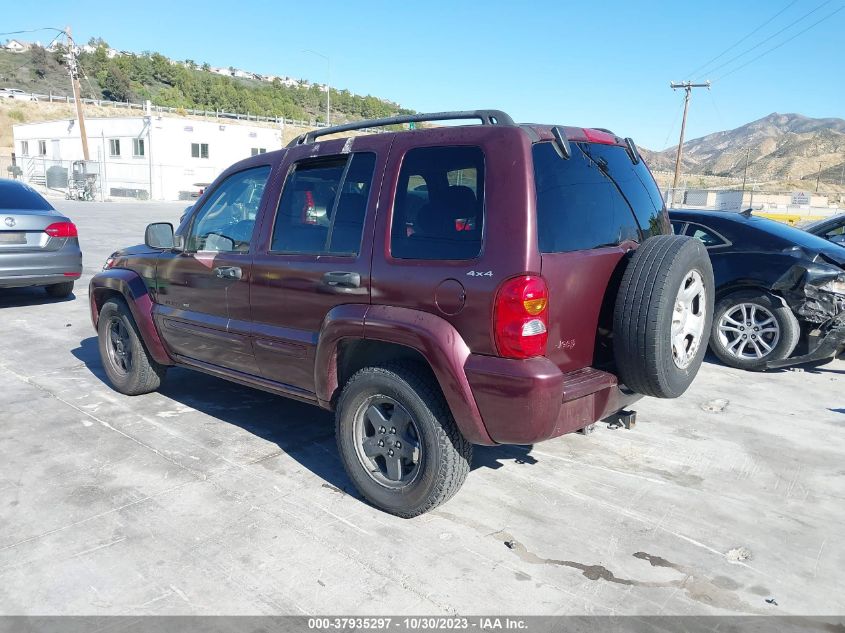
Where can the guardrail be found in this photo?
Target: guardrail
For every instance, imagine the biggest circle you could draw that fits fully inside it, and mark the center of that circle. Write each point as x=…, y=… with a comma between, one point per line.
x=219, y=114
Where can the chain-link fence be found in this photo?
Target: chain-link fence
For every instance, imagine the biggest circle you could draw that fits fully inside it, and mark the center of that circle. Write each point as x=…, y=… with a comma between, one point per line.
x=792, y=208
x=109, y=179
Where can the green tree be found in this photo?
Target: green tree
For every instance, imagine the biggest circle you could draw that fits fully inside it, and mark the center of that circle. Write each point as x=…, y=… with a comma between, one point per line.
x=115, y=83
x=40, y=61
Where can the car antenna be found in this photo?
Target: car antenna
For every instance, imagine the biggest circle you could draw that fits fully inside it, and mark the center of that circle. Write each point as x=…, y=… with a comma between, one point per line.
x=747, y=212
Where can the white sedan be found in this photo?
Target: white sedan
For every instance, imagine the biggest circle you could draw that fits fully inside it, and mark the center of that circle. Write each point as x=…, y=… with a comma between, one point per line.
x=16, y=93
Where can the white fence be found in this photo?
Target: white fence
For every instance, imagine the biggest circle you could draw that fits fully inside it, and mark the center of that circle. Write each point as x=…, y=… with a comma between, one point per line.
x=219, y=114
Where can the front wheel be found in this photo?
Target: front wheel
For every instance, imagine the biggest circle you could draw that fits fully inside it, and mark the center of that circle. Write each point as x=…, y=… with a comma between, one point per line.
x=129, y=367
x=398, y=441
x=751, y=328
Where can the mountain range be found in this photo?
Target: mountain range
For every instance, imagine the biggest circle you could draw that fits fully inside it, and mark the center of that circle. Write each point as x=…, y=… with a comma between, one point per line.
x=778, y=146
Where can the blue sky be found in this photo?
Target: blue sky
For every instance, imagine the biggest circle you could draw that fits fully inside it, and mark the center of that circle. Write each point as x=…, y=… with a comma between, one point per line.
x=603, y=64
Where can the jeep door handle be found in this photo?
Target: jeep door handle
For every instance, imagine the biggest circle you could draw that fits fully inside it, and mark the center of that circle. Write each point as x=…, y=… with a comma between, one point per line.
x=342, y=279
x=228, y=272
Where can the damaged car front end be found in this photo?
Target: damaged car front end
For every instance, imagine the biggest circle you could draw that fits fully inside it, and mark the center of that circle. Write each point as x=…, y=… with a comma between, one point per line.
x=814, y=288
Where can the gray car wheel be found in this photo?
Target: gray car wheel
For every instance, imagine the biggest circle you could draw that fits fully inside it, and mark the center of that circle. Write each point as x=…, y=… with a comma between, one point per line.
x=752, y=328
x=60, y=291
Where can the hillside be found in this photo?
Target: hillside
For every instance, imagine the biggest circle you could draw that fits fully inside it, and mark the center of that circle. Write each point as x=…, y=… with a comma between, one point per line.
x=114, y=76
x=783, y=147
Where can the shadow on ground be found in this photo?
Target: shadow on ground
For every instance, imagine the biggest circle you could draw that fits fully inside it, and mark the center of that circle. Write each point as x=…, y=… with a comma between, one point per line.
x=815, y=367
x=302, y=431
x=30, y=296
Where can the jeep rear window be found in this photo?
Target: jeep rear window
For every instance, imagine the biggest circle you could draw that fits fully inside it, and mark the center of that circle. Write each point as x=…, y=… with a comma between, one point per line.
x=438, y=213
x=637, y=185
x=578, y=207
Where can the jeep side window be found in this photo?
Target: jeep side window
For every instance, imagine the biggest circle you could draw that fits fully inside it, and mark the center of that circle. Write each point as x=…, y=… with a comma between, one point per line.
x=323, y=206
x=226, y=221
x=438, y=213
x=578, y=207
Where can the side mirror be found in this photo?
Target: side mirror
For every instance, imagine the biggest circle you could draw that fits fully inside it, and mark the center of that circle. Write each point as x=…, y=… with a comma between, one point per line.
x=160, y=235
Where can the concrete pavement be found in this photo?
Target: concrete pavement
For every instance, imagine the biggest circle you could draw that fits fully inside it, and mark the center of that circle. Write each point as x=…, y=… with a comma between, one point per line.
x=211, y=498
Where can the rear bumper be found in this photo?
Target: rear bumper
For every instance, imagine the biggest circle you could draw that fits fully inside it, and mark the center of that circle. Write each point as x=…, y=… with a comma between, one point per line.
x=40, y=268
x=528, y=401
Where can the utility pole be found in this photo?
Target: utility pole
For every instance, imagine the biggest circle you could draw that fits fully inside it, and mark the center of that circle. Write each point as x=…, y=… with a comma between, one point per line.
x=818, y=176
x=73, y=70
x=687, y=86
x=745, y=172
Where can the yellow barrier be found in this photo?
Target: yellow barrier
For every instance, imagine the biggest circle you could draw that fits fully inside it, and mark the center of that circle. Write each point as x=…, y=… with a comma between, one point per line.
x=787, y=218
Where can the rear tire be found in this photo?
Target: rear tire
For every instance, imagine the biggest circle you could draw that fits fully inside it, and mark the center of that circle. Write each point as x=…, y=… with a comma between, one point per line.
x=60, y=291
x=663, y=316
x=128, y=365
x=737, y=315
x=398, y=409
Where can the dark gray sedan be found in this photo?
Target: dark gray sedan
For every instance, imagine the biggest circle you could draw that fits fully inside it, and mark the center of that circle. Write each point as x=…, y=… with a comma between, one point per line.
x=38, y=245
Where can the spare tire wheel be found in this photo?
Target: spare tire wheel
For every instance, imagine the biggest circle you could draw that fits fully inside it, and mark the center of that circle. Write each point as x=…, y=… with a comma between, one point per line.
x=663, y=315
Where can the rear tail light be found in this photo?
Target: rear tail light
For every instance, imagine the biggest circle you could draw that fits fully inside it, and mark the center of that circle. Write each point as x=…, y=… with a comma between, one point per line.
x=520, y=317
x=61, y=229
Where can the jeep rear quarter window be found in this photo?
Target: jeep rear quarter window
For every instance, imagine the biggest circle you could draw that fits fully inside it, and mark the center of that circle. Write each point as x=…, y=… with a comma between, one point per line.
x=438, y=213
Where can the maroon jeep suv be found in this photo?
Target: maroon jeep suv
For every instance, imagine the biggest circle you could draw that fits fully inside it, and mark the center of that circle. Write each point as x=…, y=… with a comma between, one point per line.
x=436, y=287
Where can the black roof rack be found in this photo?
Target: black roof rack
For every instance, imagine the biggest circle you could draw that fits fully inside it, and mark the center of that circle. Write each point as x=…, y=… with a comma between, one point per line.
x=487, y=117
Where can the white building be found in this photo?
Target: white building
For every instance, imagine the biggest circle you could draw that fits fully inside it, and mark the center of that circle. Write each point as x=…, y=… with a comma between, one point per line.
x=145, y=157
x=17, y=46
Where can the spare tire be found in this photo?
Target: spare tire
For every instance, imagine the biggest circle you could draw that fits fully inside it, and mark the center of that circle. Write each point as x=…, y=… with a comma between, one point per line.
x=663, y=316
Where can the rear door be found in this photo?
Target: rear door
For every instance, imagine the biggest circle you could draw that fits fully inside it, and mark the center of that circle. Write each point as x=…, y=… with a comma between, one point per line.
x=315, y=254
x=202, y=299
x=592, y=208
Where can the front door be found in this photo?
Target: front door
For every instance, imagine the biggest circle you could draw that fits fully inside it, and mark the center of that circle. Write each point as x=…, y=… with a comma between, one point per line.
x=317, y=257
x=202, y=303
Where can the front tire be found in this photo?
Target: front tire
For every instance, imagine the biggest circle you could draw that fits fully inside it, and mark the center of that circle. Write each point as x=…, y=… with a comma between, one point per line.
x=751, y=328
x=398, y=440
x=129, y=367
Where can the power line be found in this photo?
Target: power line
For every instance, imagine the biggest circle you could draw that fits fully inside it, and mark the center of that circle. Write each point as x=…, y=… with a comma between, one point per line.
x=43, y=28
x=771, y=37
x=774, y=48
x=740, y=41
x=674, y=123
x=28, y=62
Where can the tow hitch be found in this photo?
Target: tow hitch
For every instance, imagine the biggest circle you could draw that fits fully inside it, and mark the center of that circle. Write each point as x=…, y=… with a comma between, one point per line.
x=622, y=419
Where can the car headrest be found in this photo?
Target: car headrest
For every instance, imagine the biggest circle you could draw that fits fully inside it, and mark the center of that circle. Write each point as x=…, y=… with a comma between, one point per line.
x=437, y=218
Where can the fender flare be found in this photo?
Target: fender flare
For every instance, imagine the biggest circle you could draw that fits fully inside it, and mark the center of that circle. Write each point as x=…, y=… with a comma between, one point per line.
x=434, y=338
x=131, y=287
